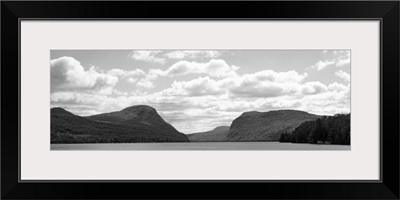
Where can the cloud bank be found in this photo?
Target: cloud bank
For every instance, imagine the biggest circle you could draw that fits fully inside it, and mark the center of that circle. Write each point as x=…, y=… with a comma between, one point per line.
x=200, y=95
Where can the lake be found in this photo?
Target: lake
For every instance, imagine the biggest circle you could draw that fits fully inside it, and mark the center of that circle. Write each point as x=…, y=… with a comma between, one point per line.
x=198, y=146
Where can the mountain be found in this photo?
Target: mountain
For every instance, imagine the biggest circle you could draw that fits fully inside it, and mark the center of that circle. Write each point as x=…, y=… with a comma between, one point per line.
x=133, y=124
x=132, y=115
x=266, y=126
x=217, y=135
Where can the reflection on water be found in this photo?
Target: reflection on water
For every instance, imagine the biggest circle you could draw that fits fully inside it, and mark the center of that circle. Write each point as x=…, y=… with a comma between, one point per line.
x=199, y=146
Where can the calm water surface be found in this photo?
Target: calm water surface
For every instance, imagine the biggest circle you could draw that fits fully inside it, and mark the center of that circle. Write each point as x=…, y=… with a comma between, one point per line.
x=199, y=146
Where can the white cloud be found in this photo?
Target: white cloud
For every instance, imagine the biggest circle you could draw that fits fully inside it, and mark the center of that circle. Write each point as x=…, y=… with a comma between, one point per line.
x=95, y=101
x=80, y=103
x=131, y=76
x=149, y=56
x=148, y=81
x=192, y=54
x=342, y=62
x=161, y=57
x=214, y=68
x=280, y=77
x=193, y=112
x=76, y=98
x=343, y=58
x=145, y=84
x=311, y=88
x=336, y=99
x=119, y=93
x=126, y=74
x=206, y=112
x=322, y=64
x=337, y=58
x=264, y=84
x=200, y=104
x=132, y=80
x=343, y=75
x=196, y=87
x=338, y=87
x=68, y=74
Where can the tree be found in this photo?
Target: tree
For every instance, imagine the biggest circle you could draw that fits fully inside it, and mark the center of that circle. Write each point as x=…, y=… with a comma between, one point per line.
x=333, y=130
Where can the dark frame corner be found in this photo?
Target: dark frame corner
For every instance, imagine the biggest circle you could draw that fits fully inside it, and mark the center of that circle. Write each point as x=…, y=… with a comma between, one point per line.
x=386, y=11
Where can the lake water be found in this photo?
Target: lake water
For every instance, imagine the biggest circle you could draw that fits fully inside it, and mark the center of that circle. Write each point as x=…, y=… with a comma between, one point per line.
x=198, y=146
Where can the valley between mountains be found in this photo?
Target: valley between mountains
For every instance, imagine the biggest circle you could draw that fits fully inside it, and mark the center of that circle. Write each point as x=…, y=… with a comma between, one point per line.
x=143, y=124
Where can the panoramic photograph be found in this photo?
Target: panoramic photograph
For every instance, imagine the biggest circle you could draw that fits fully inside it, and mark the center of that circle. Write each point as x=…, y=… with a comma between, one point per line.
x=200, y=100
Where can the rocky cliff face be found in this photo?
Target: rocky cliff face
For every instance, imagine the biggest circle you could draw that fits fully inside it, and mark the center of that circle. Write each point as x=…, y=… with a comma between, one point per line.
x=266, y=126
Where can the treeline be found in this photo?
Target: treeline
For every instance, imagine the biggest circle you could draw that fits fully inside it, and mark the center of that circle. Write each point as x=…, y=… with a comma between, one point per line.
x=70, y=137
x=326, y=130
x=68, y=128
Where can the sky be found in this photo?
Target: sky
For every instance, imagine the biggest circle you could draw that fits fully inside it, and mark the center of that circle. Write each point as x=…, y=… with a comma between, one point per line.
x=198, y=90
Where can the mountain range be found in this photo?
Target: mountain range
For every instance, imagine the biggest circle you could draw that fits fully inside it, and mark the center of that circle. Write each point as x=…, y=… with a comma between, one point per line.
x=142, y=123
x=216, y=135
x=133, y=124
x=266, y=126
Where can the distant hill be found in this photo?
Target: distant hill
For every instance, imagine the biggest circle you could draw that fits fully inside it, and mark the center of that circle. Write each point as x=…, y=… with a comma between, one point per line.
x=266, y=126
x=217, y=135
x=133, y=124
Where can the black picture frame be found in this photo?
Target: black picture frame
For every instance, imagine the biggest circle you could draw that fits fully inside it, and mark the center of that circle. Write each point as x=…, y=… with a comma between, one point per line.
x=385, y=11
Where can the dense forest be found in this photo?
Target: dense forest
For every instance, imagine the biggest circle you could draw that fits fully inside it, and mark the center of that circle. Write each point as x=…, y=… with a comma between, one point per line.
x=327, y=130
x=69, y=128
